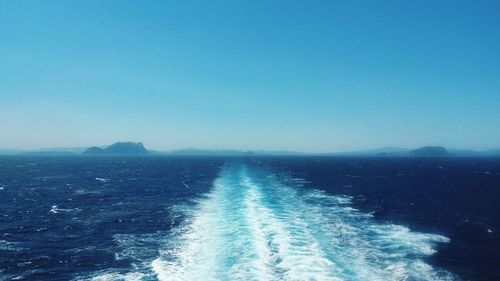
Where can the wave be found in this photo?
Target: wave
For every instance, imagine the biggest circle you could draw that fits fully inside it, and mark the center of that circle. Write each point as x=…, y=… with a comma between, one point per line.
x=10, y=246
x=256, y=225
x=56, y=210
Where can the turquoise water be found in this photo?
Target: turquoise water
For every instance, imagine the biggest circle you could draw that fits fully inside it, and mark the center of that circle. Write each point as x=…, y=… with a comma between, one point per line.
x=256, y=226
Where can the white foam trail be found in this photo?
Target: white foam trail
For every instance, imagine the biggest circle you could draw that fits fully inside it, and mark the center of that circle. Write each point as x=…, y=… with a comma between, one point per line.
x=254, y=226
x=287, y=250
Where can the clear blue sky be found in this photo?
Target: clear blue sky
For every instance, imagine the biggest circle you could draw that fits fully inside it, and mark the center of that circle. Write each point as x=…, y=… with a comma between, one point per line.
x=292, y=75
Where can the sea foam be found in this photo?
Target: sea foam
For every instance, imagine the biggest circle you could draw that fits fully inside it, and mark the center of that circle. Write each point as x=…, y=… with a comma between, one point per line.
x=255, y=225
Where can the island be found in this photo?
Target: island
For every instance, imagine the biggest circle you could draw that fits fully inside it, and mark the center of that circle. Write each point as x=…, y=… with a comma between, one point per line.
x=118, y=148
x=429, y=151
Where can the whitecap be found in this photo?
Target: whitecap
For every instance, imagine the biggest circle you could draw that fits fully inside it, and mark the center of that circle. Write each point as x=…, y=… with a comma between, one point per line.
x=101, y=179
x=56, y=210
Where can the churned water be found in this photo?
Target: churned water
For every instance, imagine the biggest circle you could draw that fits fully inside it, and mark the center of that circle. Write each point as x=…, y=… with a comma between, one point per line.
x=255, y=218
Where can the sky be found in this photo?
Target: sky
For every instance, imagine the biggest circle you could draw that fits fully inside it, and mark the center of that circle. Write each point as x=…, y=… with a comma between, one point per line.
x=313, y=76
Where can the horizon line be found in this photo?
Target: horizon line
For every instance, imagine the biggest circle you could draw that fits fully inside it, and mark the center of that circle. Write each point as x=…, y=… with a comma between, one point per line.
x=241, y=150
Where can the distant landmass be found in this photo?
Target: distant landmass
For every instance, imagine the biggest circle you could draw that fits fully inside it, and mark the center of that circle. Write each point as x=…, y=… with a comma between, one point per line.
x=208, y=152
x=426, y=151
x=119, y=148
x=137, y=148
x=429, y=151
x=383, y=151
x=47, y=153
x=226, y=152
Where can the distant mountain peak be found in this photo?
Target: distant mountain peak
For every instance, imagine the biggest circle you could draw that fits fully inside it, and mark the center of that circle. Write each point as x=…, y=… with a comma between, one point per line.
x=429, y=151
x=119, y=148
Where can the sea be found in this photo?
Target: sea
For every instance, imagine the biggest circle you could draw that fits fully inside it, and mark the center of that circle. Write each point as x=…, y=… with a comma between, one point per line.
x=249, y=218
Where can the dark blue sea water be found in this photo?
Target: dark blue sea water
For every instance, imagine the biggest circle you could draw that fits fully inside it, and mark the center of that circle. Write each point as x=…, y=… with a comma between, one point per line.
x=255, y=218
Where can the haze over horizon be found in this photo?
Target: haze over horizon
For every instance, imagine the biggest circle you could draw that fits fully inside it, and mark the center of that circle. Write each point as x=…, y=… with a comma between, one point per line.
x=367, y=151
x=327, y=76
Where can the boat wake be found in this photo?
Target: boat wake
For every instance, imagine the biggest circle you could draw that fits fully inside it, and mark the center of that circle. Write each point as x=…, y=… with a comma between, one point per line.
x=256, y=225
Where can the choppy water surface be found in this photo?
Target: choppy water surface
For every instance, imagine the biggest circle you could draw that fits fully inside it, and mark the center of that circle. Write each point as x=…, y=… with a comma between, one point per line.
x=243, y=219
